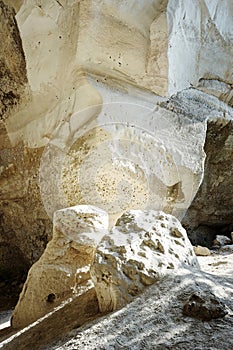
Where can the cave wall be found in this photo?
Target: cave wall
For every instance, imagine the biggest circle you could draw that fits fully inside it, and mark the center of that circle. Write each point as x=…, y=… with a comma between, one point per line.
x=213, y=204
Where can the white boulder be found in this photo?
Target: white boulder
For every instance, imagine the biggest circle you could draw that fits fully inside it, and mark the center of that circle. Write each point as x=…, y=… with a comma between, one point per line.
x=142, y=248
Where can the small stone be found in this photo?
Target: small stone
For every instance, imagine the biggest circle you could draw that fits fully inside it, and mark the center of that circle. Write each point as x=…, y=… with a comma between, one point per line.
x=201, y=251
x=204, y=307
x=221, y=240
x=227, y=248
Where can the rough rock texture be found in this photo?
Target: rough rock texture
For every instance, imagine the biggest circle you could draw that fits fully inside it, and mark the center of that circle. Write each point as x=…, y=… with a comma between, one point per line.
x=81, y=56
x=155, y=319
x=24, y=224
x=200, y=42
x=139, y=251
x=13, y=77
x=205, y=307
x=62, y=272
x=144, y=156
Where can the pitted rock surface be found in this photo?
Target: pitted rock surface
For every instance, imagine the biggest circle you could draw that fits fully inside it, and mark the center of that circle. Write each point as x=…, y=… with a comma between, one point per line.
x=142, y=248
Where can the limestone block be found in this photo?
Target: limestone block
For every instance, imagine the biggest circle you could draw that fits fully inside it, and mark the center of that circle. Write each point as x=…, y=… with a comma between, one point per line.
x=63, y=270
x=142, y=248
x=201, y=251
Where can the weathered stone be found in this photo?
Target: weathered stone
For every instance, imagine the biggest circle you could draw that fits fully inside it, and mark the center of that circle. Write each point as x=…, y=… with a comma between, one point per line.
x=201, y=251
x=198, y=34
x=62, y=272
x=13, y=76
x=221, y=240
x=142, y=248
x=165, y=178
x=154, y=152
x=204, y=307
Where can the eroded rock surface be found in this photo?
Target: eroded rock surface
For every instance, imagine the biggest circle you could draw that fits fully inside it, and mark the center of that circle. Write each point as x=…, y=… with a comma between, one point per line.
x=62, y=272
x=139, y=251
x=13, y=76
x=205, y=307
x=77, y=57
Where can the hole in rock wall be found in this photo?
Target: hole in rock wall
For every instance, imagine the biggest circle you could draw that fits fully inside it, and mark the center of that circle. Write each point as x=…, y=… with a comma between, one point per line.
x=51, y=297
x=205, y=235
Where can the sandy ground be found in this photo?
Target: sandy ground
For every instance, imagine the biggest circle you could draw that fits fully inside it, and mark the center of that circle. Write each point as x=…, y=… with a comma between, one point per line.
x=152, y=321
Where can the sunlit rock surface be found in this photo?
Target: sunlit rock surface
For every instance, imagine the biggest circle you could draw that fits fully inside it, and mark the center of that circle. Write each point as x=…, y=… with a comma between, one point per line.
x=76, y=60
x=141, y=249
x=200, y=42
x=62, y=272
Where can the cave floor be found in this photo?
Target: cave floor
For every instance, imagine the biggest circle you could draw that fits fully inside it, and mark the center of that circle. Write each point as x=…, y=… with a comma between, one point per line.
x=152, y=321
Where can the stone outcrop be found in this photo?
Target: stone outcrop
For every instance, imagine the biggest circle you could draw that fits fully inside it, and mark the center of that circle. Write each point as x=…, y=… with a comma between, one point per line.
x=13, y=76
x=81, y=84
x=24, y=224
x=222, y=240
x=200, y=44
x=62, y=272
x=139, y=251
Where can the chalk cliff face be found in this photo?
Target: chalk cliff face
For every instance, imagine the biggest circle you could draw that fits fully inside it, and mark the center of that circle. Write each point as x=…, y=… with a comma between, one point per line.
x=88, y=117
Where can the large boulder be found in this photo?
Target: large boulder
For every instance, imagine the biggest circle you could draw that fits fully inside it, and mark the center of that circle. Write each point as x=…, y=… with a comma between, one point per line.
x=142, y=248
x=62, y=272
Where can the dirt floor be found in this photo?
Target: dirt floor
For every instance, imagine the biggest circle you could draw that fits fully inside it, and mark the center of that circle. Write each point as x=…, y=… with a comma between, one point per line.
x=152, y=321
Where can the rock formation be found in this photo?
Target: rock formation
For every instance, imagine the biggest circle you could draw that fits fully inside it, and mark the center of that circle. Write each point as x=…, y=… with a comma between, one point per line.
x=115, y=105
x=62, y=272
x=139, y=251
